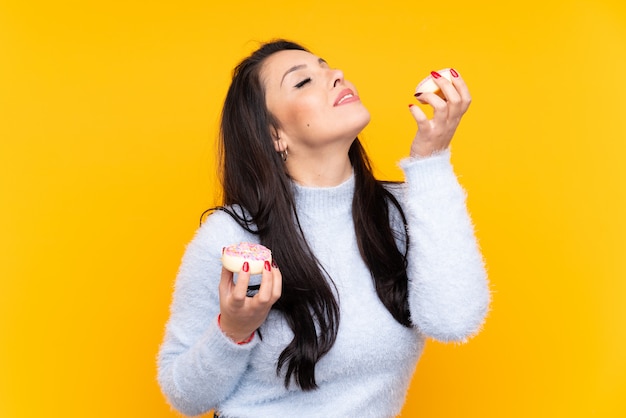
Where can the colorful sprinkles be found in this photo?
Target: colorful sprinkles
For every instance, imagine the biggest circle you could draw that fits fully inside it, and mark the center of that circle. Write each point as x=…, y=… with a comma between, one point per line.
x=248, y=251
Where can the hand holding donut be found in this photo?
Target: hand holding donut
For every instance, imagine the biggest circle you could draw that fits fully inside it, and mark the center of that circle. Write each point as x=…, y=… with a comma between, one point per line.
x=241, y=315
x=447, y=93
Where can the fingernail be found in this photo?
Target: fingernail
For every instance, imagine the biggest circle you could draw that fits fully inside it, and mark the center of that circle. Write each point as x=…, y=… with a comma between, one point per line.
x=245, y=266
x=267, y=266
x=435, y=74
x=411, y=105
x=223, y=249
x=417, y=94
x=454, y=73
x=274, y=264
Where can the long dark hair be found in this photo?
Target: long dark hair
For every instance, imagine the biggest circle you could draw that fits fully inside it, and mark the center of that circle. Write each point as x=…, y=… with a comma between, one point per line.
x=258, y=193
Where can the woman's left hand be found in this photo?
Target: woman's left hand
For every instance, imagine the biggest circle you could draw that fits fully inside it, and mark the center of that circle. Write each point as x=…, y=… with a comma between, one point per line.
x=435, y=134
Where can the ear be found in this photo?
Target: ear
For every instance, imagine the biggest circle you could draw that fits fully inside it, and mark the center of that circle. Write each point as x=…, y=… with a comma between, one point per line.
x=280, y=145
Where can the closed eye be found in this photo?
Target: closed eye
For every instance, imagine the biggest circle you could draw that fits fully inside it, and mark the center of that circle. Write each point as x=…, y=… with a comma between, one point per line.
x=302, y=83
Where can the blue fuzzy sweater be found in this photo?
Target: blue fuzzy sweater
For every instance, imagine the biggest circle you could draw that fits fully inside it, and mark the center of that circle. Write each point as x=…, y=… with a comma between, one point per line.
x=368, y=370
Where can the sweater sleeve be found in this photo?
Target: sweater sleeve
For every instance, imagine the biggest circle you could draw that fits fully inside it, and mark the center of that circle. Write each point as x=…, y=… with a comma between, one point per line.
x=199, y=366
x=448, y=289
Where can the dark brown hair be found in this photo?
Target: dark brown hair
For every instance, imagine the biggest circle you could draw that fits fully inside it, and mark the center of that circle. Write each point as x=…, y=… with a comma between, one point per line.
x=258, y=193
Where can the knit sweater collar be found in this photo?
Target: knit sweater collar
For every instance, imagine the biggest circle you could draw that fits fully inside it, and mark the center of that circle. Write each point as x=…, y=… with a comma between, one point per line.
x=325, y=200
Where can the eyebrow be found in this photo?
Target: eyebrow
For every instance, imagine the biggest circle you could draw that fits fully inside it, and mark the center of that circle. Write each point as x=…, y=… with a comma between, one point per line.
x=299, y=67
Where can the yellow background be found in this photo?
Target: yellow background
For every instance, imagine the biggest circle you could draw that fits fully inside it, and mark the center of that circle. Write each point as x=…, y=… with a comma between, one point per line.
x=108, y=116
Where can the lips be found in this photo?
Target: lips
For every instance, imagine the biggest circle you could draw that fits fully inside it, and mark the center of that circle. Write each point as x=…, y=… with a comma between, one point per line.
x=346, y=96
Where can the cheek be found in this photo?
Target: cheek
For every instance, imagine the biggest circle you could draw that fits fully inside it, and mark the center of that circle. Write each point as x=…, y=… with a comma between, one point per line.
x=305, y=113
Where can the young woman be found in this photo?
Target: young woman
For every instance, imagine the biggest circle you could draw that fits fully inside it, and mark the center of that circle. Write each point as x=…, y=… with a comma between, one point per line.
x=364, y=271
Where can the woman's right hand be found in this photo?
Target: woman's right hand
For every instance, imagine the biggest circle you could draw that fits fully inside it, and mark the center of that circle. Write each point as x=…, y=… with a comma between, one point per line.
x=434, y=135
x=242, y=315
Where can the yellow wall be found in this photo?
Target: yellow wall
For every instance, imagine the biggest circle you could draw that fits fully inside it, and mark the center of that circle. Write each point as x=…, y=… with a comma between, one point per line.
x=108, y=115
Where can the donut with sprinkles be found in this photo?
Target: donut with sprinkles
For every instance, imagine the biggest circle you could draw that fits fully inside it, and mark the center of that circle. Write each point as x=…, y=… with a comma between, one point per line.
x=256, y=255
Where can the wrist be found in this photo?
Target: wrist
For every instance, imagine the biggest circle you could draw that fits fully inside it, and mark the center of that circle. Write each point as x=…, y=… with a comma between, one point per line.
x=422, y=152
x=238, y=338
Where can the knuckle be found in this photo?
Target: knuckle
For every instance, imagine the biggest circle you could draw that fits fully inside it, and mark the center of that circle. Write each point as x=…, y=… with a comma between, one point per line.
x=440, y=106
x=456, y=100
x=263, y=299
x=238, y=298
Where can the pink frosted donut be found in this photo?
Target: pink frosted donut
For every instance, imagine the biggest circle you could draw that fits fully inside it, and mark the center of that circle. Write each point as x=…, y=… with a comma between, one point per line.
x=427, y=85
x=234, y=256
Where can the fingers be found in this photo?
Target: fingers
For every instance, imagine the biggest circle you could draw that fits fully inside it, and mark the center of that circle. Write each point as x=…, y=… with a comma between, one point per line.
x=441, y=107
x=278, y=281
x=271, y=284
x=269, y=290
x=451, y=109
x=456, y=93
x=264, y=294
x=462, y=90
x=419, y=116
x=241, y=287
x=226, y=281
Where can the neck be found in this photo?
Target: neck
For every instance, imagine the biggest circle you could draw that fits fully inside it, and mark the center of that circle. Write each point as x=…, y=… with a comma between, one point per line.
x=320, y=169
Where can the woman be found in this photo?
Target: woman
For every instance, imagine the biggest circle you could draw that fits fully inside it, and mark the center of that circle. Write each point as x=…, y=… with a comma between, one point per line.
x=363, y=272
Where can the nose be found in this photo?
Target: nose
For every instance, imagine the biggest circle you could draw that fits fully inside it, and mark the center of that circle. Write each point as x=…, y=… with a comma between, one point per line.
x=337, y=77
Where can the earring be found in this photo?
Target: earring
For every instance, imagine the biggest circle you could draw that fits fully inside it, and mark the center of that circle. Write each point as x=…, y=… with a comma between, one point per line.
x=283, y=154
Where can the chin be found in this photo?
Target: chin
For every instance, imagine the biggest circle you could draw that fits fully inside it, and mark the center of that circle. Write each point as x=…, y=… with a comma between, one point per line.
x=362, y=121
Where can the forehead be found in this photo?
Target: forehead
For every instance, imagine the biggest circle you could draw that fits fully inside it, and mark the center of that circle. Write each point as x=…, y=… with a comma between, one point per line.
x=278, y=64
